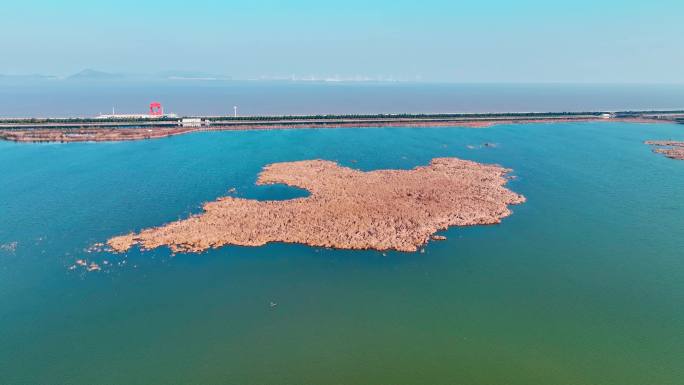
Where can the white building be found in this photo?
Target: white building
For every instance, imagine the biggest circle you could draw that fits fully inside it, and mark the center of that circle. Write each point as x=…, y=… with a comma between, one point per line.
x=192, y=122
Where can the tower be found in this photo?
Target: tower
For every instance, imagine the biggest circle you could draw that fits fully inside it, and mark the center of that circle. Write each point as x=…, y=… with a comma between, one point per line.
x=156, y=109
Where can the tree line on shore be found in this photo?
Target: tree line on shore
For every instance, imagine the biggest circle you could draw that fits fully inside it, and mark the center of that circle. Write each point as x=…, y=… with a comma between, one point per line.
x=303, y=117
x=267, y=118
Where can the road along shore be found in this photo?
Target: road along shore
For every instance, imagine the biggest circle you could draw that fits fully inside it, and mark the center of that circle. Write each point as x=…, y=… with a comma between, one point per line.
x=91, y=130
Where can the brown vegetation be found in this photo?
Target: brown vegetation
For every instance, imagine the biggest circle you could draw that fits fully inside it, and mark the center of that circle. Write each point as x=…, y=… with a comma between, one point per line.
x=347, y=208
x=669, y=148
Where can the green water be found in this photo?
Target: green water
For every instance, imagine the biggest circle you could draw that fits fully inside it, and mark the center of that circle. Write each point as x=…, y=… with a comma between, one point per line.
x=583, y=284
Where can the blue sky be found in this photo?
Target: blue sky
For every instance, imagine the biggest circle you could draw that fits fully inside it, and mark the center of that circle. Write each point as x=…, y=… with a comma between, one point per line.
x=431, y=40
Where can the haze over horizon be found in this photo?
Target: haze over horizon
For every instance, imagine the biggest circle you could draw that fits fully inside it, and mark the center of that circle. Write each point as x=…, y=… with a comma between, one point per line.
x=491, y=41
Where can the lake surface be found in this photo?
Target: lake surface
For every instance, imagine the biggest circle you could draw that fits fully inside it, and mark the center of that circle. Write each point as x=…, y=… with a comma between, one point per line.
x=68, y=98
x=583, y=284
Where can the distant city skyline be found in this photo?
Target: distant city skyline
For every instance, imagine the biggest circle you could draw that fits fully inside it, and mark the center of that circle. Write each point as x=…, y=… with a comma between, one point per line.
x=488, y=41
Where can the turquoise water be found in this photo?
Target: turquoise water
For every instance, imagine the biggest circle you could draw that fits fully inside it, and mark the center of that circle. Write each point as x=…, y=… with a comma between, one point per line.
x=584, y=284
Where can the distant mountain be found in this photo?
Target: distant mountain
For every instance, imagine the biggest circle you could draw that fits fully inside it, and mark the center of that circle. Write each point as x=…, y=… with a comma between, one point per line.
x=89, y=74
x=95, y=75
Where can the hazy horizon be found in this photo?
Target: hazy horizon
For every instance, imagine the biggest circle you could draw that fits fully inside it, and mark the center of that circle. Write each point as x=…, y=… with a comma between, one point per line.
x=435, y=41
x=181, y=76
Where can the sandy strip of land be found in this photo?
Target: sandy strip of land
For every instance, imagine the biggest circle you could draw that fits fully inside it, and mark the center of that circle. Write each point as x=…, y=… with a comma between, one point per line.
x=66, y=135
x=346, y=208
x=89, y=135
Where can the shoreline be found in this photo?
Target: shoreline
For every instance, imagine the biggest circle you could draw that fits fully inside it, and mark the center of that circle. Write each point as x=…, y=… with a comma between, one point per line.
x=90, y=130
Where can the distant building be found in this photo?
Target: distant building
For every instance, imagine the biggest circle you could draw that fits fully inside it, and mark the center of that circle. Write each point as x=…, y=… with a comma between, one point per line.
x=135, y=116
x=156, y=112
x=193, y=122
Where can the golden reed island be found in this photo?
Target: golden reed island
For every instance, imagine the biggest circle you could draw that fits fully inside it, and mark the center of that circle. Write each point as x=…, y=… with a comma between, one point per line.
x=346, y=208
